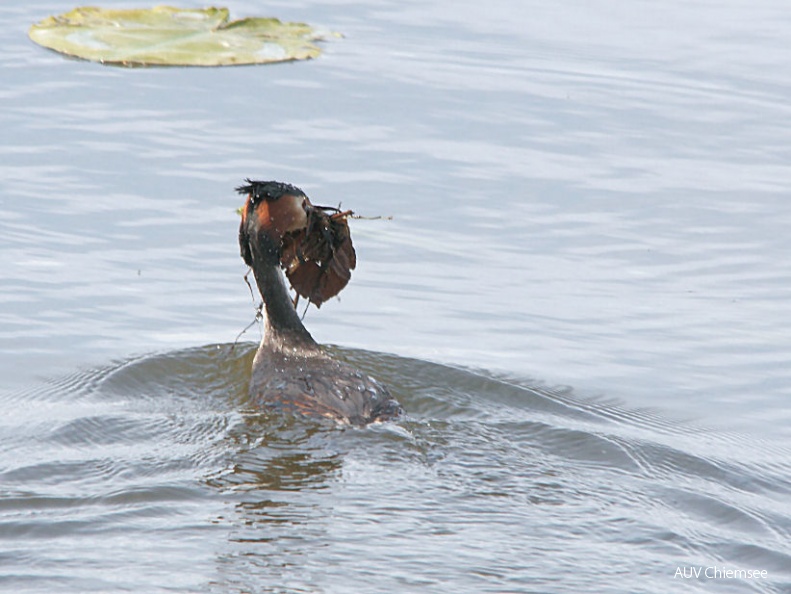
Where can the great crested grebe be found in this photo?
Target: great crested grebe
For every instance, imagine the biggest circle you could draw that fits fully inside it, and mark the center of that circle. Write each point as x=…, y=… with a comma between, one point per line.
x=281, y=228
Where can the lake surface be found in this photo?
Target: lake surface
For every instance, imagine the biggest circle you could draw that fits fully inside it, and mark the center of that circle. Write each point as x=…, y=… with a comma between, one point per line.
x=582, y=301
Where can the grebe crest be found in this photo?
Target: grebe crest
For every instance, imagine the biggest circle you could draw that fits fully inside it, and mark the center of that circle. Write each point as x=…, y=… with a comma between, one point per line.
x=281, y=228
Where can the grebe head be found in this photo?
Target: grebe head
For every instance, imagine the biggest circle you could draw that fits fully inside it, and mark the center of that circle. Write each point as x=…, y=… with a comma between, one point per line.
x=272, y=209
x=280, y=226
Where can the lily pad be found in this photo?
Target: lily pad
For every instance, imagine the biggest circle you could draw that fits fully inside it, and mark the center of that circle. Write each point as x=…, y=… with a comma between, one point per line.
x=168, y=36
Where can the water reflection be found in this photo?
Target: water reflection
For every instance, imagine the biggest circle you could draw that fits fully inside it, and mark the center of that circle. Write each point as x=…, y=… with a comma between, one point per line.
x=488, y=480
x=288, y=456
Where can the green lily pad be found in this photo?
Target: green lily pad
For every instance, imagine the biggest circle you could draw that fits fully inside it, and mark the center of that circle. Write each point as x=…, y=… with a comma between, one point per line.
x=167, y=36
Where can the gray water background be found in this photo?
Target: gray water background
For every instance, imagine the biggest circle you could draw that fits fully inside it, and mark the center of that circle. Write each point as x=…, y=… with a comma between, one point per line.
x=586, y=195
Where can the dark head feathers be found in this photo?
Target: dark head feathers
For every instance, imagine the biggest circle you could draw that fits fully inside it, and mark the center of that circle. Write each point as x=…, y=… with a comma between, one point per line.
x=268, y=190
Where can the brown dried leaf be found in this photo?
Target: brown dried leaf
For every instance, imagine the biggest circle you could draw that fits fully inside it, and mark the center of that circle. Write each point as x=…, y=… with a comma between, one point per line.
x=319, y=258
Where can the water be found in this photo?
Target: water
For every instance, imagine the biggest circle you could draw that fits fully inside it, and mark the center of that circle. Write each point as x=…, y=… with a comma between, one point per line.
x=583, y=196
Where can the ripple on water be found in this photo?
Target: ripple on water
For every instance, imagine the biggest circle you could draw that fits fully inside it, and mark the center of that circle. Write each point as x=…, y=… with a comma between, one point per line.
x=488, y=483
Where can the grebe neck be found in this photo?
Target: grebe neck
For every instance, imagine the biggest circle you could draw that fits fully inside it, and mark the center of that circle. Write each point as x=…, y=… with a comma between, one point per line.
x=283, y=328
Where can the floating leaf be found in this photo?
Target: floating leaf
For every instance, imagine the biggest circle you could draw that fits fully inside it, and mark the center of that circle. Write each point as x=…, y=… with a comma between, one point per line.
x=167, y=36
